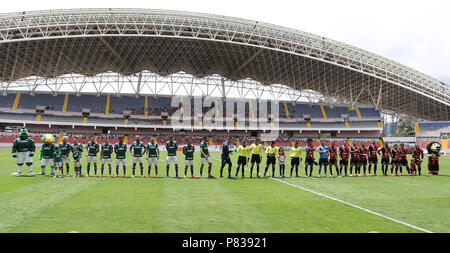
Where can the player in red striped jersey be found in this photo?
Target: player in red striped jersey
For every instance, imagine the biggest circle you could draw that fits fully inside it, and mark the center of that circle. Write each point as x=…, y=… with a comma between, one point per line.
x=354, y=161
x=333, y=160
x=395, y=154
x=373, y=159
x=344, y=153
x=403, y=162
x=385, y=153
x=309, y=161
x=416, y=160
x=363, y=158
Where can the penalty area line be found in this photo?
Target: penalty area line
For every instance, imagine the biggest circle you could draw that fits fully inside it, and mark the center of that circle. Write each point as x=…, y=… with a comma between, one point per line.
x=353, y=205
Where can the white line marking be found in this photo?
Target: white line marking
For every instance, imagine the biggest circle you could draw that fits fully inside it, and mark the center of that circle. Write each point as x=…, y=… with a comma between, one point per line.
x=347, y=203
x=353, y=205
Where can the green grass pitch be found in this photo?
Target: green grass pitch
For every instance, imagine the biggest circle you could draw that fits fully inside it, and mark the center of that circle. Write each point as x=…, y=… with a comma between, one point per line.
x=132, y=205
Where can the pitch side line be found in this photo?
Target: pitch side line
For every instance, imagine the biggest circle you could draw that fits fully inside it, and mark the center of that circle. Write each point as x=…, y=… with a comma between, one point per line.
x=353, y=205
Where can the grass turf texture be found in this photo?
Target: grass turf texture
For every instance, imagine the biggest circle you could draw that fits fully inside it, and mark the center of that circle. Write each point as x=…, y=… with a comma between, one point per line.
x=45, y=204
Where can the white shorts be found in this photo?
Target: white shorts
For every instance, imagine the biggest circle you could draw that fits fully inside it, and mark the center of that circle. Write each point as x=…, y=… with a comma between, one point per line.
x=45, y=162
x=58, y=164
x=65, y=160
x=121, y=161
x=137, y=159
x=189, y=162
x=173, y=159
x=91, y=159
x=153, y=161
x=24, y=157
x=77, y=164
x=106, y=160
x=206, y=160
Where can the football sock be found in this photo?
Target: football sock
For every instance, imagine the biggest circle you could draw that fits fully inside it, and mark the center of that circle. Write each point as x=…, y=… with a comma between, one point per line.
x=209, y=170
x=134, y=169
x=229, y=170
x=117, y=170
x=30, y=168
x=67, y=168
x=265, y=170
x=185, y=170
x=201, y=170
x=20, y=168
x=109, y=167
x=331, y=170
x=310, y=170
x=156, y=170
x=273, y=171
x=142, y=169
x=43, y=170
x=95, y=168
x=192, y=170
x=167, y=170
x=149, y=169
x=89, y=168
x=306, y=170
x=237, y=171
x=101, y=169
x=124, y=170
x=320, y=169
x=176, y=169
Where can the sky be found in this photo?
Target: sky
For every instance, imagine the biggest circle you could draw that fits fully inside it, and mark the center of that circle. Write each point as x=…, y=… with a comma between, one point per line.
x=414, y=33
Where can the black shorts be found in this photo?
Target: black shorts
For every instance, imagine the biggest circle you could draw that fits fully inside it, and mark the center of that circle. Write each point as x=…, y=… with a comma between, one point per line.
x=226, y=161
x=270, y=160
x=363, y=162
x=373, y=160
x=309, y=161
x=295, y=161
x=323, y=161
x=343, y=162
x=395, y=162
x=354, y=162
x=403, y=162
x=256, y=158
x=242, y=160
x=332, y=161
x=385, y=161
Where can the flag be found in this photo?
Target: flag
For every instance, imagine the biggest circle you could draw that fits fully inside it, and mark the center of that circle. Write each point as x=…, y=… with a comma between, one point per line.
x=381, y=142
x=349, y=142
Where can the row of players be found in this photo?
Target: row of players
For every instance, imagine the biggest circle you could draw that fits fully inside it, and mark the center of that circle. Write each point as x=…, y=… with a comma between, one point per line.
x=359, y=157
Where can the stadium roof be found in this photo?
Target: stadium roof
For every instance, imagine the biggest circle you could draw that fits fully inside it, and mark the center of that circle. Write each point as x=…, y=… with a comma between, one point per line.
x=44, y=45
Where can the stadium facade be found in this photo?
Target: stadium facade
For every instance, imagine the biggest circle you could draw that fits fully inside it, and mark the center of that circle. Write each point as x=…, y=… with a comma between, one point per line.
x=69, y=67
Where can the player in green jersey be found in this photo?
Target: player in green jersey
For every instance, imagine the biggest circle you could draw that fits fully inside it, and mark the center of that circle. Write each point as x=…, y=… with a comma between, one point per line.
x=120, y=149
x=76, y=144
x=138, y=149
x=65, y=151
x=76, y=157
x=153, y=156
x=106, y=152
x=46, y=157
x=188, y=152
x=92, y=148
x=205, y=157
x=57, y=160
x=171, y=147
x=23, y=150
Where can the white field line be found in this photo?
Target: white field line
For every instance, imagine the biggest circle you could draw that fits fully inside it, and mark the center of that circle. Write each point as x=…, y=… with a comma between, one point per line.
x=347, y=203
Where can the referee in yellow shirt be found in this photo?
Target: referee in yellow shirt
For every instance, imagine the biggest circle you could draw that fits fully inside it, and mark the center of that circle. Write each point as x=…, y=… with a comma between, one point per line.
x=244, y=155
x=257, y=150
x=271, y=152
x=295, y=153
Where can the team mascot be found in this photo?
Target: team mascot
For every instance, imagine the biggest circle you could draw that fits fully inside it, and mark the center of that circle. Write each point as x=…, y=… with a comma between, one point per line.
x=434, y=151
x=46, y=155
x=23, y=150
